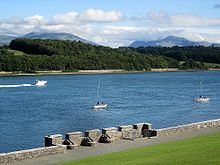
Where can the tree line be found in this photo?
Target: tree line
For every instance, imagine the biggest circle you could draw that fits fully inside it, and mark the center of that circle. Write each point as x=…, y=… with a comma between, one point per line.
x=70, y=56
x=195, y=53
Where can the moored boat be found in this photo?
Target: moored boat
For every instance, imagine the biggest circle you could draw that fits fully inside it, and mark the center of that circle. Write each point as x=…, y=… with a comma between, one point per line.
x=99, y=105
x=201, y=98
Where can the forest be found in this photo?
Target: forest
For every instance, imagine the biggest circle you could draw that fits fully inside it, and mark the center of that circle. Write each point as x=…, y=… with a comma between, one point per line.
x=43, y=55
x=209, y=54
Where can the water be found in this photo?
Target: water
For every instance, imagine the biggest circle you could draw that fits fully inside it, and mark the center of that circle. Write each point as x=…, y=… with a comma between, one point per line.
x=28, y=113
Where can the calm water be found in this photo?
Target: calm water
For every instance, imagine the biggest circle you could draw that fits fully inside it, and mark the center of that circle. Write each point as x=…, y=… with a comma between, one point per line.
x=29, y=113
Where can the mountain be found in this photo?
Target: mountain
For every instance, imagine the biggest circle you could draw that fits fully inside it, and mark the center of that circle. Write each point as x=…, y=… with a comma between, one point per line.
x=169, y=42
x=5, y=40
x=56, y=36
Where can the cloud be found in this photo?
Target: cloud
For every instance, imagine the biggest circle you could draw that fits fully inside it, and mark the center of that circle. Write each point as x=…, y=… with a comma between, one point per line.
x=112, y=28
x=74, y=22
x=68, y=18
x=216, y=6
x=159, y=17
x=35, y=20
x=180, y=20
x=92, y=15
x=88, y=16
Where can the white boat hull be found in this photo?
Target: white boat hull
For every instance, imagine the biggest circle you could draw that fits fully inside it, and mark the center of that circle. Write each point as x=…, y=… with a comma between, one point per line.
x=201, y=100
x=40, y=83
x=100, y=106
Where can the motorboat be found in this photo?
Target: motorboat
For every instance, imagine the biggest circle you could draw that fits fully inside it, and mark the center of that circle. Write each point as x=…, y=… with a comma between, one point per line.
x=40, y=83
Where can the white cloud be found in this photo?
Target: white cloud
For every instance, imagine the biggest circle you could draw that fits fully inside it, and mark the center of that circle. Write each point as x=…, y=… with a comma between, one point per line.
x=188, y=20
x=180, y=20
x=35, y=20
x=110, y=28
x=101, y=16
x=68, y=18
x=159, y=17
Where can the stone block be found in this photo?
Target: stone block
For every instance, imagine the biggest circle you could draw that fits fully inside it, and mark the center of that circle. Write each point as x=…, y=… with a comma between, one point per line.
x=137, y=129
x=113, y=133
x=93, y=134
x=127, y=132
x=74, y=137
x=53, y=140
x=12, y=157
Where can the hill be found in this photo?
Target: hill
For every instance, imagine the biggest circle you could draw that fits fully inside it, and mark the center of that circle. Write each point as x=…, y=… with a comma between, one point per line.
x=41, y=55
x=5, y=39
x=56, y=36
x=169, y=41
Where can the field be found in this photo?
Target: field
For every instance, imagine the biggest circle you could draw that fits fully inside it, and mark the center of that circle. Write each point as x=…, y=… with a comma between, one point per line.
x=197, y=150
x=16, y=52
x=212, y=65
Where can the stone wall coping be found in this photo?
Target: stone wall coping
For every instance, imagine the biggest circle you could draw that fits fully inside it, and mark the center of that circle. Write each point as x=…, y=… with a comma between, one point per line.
x=54, y=135
x=93, y=130
x=74, y=133
x=29, y=150
x=140, y=124
x=191, y=124
x=126, y=126
x=109, y=129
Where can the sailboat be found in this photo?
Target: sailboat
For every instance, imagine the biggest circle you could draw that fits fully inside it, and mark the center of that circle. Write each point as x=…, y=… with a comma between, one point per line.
x=201, y=98
x=99, y=104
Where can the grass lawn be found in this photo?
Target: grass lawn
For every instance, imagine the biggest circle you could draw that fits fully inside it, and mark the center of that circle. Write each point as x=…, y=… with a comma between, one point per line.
x=197, y=150
x=16, y=52
x=212, y=65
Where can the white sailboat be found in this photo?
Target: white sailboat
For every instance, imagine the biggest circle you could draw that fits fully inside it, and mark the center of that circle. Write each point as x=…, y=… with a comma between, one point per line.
x=99, y=104
x=201, y=98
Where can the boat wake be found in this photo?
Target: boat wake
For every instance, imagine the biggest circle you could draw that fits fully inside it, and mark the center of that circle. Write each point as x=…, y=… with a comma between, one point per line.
x=16, y=86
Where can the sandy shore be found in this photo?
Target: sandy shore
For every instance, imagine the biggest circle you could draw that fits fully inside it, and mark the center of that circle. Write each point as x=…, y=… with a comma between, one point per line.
x=107, y=71
x=59, y=72
x=99, y=148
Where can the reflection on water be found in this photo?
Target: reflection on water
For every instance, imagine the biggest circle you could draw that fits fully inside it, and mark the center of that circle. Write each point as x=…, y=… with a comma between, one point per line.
x=27, y=113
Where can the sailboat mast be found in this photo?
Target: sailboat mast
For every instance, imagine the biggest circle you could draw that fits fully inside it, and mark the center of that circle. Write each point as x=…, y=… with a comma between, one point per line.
x=201, y=88
x=98, y=91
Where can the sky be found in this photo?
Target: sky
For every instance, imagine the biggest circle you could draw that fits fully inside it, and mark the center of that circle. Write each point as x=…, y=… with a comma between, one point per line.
x=114, y=22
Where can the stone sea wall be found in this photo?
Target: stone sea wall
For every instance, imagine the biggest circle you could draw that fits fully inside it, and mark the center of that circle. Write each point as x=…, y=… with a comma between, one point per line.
x=188, y=127
x=30, y=154
x=56, y=144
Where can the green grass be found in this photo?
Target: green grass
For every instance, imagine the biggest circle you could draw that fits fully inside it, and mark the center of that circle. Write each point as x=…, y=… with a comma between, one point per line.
x=212, y=65
x=208, y=65
x=16, y=52
x=198, y=150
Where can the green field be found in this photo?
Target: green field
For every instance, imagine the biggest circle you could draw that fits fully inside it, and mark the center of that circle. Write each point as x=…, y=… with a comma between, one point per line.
x=198, y=150
x=16, y=52
x=212, y=65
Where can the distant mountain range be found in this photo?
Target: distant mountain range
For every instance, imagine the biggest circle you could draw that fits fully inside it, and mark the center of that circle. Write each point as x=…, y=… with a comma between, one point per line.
x=5, y=40
x=169, y=42
x=166, y=42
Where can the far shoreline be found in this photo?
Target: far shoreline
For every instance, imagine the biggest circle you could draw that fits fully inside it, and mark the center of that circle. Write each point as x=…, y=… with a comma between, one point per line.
x=107, y=71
